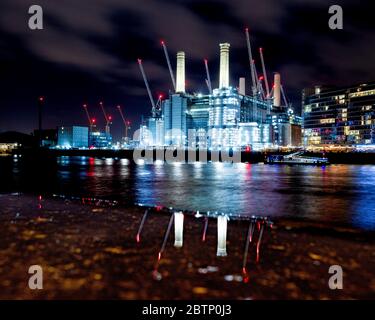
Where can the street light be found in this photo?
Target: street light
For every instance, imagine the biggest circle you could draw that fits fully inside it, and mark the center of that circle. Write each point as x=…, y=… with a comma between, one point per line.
x=40, y=109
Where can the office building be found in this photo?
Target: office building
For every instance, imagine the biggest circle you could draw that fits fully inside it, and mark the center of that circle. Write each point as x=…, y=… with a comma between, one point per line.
x=72, y=137
x=339, y=116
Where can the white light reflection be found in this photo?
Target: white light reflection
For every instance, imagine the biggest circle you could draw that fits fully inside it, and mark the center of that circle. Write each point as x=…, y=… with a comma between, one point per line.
x=222, y=222
x=140, y=162
x=178, y=229
x=109, y=161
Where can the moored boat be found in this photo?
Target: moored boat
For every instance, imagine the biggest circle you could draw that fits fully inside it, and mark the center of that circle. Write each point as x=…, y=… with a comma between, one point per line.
x=295, y=158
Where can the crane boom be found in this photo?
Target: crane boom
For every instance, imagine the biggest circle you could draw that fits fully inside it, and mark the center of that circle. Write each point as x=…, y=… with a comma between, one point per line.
x=208, y=85
x=87, y=114
x=264, y=72
x=104, y=113
x=107, y=118
x=126, y=123
x=208, y=80
x=258, y=83
x=260, y=89
x=169, y=64
x=284, y=97
x=91, y=121
x=251, y=61
x=146, y=83
x=157, y=111
x=255, y=74
x=121, y=114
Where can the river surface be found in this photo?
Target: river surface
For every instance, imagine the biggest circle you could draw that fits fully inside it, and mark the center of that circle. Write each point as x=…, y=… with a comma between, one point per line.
x=343, y=194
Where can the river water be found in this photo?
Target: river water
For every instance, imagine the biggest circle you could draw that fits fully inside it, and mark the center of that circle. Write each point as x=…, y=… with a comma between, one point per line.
x=342, y=194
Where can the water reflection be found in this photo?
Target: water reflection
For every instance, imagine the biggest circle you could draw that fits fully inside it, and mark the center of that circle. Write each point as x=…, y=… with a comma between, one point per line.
x=177, y=218
x=178, y=229
x=337, y=193
x=222, y=223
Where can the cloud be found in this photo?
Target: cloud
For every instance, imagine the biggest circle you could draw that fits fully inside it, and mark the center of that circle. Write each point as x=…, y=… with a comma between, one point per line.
x=104, y=37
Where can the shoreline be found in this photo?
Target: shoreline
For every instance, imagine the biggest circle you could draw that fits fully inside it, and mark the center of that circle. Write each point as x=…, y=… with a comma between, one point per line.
x=90, y=252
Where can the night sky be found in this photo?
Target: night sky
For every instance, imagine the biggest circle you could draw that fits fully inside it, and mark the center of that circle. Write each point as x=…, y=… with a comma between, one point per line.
x=88, y=50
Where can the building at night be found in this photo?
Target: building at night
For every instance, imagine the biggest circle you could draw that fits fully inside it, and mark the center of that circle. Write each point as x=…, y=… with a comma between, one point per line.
x=225, y=118
x=156, y=126
x=286, y=127
x=197, y=119
x=175, y=115
x=100, y=140
x=72, y=137
x=47, y=137
x=339, y=116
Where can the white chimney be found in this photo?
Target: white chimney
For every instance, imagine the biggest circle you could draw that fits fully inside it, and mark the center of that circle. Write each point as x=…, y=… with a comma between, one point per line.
x=277, y=90
x=180, y=72
x=224, y=65
x=242, y=87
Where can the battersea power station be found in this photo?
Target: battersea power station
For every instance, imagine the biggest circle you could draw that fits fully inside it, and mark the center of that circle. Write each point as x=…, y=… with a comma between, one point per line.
x=226, y=117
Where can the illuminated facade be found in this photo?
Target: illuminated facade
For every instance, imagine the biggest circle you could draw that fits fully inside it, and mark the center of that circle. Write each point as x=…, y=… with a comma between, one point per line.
x=174, y=112
x=286, y=128
x=73, y=137
x=197, y=120
x=145, y=136
x=224, y=118
x=339, y=116
x=156, y=128
x=100, y=140
x=221, y=120
x=255, y=135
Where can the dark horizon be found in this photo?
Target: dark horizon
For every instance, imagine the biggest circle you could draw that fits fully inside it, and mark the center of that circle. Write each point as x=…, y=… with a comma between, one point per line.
x=87, y=52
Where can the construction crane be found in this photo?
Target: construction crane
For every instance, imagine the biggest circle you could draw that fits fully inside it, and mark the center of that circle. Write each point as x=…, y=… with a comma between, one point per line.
x=91, y=121
x=260, y=88
x=108, y=119
x=157, y=112
x=259, y=92
x=126, y=123
x=147, y=86
x=251, y=61
x=268, y=94
x=208, y=79
x=169, y=64
x=264, y=72
x=284, y=97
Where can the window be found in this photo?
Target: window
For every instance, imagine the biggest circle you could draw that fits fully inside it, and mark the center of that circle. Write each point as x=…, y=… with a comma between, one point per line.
x=362, y=94
x=329, y=120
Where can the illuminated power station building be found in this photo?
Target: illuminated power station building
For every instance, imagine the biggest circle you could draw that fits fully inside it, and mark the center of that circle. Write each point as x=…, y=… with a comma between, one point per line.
x=225, y=118
x=344, y=116
x=224, y=112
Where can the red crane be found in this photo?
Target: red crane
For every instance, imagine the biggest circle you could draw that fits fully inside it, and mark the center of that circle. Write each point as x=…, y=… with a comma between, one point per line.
x=108, y=119
x=126, y=123
x=147, y=86
x=92, y=121
x=251, y=60
x=168, y=63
